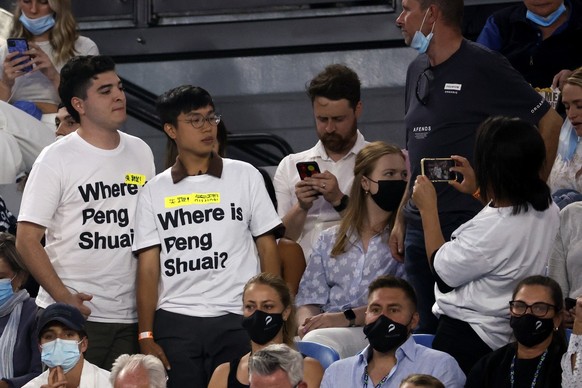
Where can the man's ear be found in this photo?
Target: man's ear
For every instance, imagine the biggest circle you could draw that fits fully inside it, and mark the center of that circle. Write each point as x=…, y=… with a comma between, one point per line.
x=358, y=110
x=84, y=344
x=79, y=105
x=414, y=321
x=170, y=130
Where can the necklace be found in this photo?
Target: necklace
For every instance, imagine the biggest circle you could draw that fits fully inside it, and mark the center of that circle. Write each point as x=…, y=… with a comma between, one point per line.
x=366, y=377
x=538, y=368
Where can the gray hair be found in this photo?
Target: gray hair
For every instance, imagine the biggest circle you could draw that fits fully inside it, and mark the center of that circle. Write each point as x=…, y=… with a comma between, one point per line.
x=152, y=364
x=277, y=356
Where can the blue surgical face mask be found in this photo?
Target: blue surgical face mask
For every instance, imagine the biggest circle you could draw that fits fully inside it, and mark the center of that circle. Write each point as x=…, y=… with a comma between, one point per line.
x=546, y=21
x=39, y=25
x=6, y=290
x=64, y=353
x=419, y=41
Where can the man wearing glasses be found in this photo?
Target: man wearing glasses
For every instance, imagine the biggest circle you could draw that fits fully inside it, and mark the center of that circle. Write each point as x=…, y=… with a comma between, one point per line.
x=204, y=227
x=451, y=87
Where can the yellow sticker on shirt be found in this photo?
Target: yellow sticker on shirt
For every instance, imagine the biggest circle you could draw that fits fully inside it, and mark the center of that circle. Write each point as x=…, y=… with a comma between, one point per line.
x=135, y=179
x=192, y=199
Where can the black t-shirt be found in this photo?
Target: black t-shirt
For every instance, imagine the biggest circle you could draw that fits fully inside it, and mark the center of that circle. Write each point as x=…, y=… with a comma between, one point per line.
x=472, y=85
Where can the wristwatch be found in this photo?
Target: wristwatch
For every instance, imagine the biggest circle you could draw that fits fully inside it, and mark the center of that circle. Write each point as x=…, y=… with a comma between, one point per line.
x=343, y=204
x=350, y=316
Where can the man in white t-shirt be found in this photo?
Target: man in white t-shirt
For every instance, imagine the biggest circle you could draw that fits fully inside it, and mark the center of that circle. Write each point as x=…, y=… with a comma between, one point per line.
x=82, y=192
x=310, y=205
x=204, y=227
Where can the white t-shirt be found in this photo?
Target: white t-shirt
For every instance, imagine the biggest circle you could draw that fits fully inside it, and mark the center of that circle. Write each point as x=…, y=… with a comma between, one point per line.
x=91, y=377
x=205, y=226
x=34, y=86
x=566, y=259
x=485, y=259
x=86, y=198
x=322, y=214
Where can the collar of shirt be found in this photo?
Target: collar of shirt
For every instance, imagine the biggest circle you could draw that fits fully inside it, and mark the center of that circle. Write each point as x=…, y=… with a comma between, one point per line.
x=405, y=351
x=358, y=145
x=179, y=172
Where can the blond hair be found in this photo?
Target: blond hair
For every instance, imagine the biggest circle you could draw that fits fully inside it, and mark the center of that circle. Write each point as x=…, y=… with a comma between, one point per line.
x=62, y=36
x=575, y=78
x=355, y=216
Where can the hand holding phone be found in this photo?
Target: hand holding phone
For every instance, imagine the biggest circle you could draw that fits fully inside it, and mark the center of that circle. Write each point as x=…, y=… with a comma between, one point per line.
x=438, y=169
x=307, y=169
x=19, y=45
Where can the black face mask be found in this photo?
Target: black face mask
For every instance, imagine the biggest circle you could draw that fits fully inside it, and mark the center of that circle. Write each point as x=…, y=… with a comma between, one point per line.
x=385, y=335
x=263, y=327
x=530, y=330
x=389, y=194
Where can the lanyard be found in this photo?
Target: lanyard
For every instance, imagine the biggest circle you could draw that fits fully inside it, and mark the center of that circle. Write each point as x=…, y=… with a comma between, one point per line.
x=366, y=377
x=535, y=378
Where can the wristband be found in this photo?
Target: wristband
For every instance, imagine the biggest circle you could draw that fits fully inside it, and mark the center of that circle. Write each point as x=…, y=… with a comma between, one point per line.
x=145, y=335
x=342, y=205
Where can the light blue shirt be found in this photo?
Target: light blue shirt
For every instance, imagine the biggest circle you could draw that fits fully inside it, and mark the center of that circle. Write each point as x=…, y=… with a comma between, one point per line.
x=338, y=283
x=410, y=359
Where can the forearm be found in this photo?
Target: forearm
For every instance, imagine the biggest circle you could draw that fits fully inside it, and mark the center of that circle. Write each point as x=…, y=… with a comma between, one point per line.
x=148, y=275
x=294, y=222
x=306, y=311
x=38, y=263
x=549, y=127
x=268, y=254
x=360, y=315
x=433, y=235
x=5, y=91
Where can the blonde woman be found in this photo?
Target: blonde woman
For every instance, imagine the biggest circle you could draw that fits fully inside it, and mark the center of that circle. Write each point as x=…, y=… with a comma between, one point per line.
x=51, y=32
x=333, y=290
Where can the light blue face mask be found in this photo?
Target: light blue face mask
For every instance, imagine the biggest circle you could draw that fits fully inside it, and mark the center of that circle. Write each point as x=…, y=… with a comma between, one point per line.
x=64, y=353
x=546, y=21
x=38, y=26
x=6, y=290
x=419, y=41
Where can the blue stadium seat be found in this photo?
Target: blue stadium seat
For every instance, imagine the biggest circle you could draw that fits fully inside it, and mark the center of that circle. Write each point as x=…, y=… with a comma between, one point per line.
x=568, y=333
x=322, y=353
x=424, y=339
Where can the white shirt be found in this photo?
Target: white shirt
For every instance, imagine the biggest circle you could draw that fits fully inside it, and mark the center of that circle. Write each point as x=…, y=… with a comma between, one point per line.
x=322, y=214
x=86, y=199
x=485, y=259
x=91, y=377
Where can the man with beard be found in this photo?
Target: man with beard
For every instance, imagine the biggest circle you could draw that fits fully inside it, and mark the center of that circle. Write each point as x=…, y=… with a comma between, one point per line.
x=310, y=205
x=392, y=354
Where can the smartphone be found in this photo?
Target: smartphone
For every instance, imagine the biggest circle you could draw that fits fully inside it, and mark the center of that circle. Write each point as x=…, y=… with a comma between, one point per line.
x=18, y=45
x=437, y=169
x=570, y=303
x=307, y=169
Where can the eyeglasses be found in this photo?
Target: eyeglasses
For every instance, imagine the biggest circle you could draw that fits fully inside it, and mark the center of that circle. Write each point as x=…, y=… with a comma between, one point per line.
x=539, y=309
x=423, y=85
x=197, y=121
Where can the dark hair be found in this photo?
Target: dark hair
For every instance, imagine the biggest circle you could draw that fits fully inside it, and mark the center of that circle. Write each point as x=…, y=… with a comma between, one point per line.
x=420, y=380
x=389, y=281
x=545, y=281
x=172, y=148
x=11, y=256
x=282, y=289
x=77, y=76
x=336, y=82
x=509, y=156
x=451, y=10
x=182, y=99
x=558, y=344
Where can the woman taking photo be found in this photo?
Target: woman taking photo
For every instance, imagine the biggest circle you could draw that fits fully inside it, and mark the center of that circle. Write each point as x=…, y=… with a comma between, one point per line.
x=333, y=290
x=51, y=32
x=511, y=238
x=265, y=296
x=533, y=360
